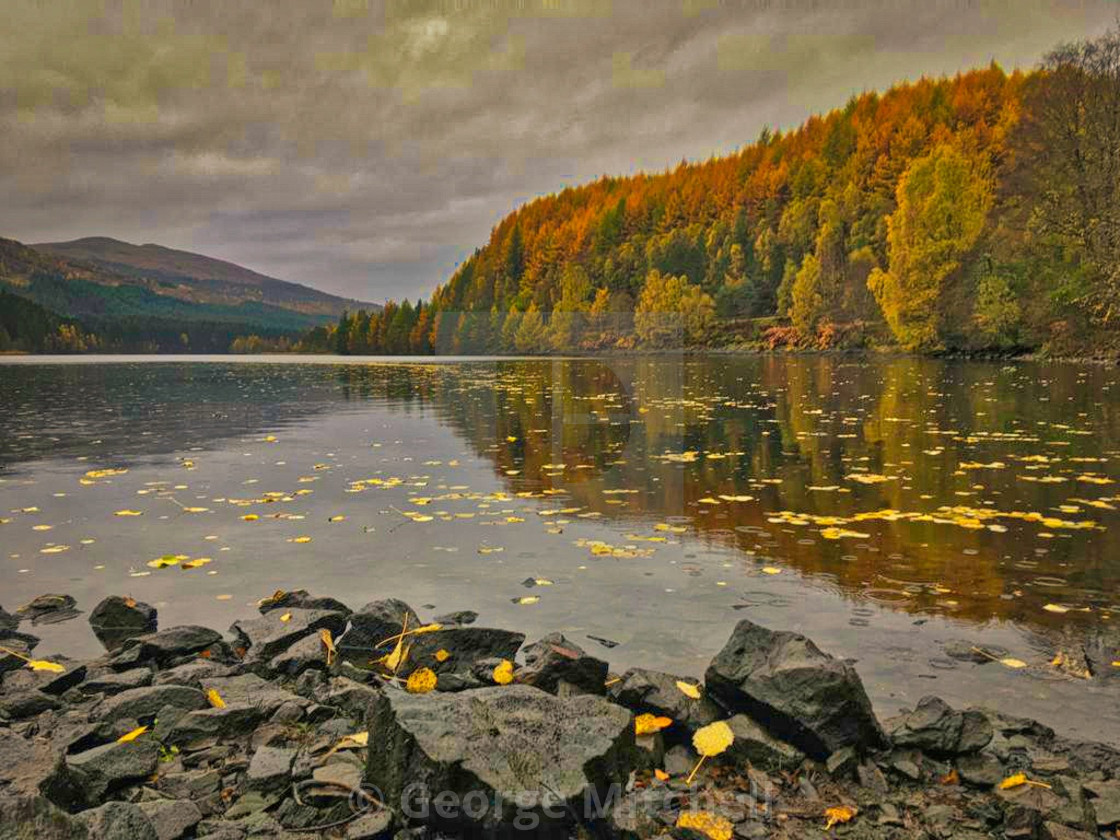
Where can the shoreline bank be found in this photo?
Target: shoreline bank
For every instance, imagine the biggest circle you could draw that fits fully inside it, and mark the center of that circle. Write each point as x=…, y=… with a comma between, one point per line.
x=315, y=720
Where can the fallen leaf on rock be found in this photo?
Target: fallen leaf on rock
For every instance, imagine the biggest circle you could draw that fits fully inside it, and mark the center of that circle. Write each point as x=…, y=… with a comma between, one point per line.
x=328, y=643
x=709, y=824
x=1018, y=780
x=647, y=724
x=133, y=735
x=442, y=655
x=215, y=699
x=44, y=665
x=839, y=814
x=421, y=681
x=688, y=689
x=503, y=673
x=286, y=617
x=660, y=775
x=710, y=741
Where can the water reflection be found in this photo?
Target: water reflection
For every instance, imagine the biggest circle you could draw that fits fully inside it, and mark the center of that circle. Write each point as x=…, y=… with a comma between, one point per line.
x=982, y=491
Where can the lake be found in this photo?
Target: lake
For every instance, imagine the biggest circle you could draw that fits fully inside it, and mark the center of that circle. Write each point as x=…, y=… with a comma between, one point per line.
x=886, y=507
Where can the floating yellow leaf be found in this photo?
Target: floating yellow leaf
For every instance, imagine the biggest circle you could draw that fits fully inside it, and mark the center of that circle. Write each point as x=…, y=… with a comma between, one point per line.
x=709, y=824
x=339, y=518
x=421, y=681
x=526, y=600
x=250, y=517
x=133, y=735
x=688, y=689
x=1013, y=663
x=215, y=699
x=771, y=570
x=129, y=513
x=194, y=564
x=300, y=539
x=167, y=560
x=503, y=674
x=1056, y=608
x=104, y=473
x=647, y=724
x=839, y=814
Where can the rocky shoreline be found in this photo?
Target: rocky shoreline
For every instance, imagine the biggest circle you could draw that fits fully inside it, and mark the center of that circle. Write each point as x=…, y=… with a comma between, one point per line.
x=313, y=720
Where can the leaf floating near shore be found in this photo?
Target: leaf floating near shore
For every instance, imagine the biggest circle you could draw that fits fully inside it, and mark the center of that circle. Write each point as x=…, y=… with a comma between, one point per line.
x=129, y=513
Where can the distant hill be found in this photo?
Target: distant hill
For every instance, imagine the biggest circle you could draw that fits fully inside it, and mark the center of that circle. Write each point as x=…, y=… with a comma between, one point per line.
x=156, y=299
x=195, y=277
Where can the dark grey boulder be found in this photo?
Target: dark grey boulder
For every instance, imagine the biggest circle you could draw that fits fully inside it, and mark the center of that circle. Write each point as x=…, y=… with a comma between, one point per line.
x=146, y=701
x=980, y=770
x=350, y=697
x=755, y=747
x=252, y=690
x=465, y=648
x=114, y=682
x=370, y=826
x=555, y=663
x=15, y=656
x=50, y=609
x=8, y=622
x=118, y=821
x=37, y=818
x=194, y=672
x=205, y=724
x=50, y=682
x=1105, y=801
x=533, y=752
x=656, y=693
x=192, y=785
x=164, y=647
x=371, y=626
x=105, y=769
x=265, y=637
x=117, y=619
x=308, y=652
x=301, y=599
x=17, y=705
x=800, y=694
x=936, y=728
x=459, y=617
x=171, y=818
x=270, y=769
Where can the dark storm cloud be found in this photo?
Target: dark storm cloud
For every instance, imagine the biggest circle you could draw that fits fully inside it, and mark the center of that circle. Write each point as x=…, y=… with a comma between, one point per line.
x=364, y=148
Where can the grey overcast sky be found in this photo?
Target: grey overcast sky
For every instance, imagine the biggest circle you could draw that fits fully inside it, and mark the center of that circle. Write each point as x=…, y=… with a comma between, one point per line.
x=366, y=147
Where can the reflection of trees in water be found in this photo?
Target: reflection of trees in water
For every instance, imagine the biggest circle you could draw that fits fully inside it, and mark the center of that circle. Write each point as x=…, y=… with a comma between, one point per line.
x=811, y=422
x=593, y=426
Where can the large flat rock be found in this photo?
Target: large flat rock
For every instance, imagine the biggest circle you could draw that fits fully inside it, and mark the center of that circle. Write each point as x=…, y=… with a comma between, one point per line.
x=527, y=751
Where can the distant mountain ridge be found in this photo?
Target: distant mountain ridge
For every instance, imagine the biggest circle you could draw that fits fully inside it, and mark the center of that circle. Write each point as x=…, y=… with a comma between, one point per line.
x=149, y=298
x=196, y=277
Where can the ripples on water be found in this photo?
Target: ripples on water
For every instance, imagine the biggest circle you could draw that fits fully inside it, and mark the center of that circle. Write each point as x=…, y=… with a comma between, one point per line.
x=660, y=498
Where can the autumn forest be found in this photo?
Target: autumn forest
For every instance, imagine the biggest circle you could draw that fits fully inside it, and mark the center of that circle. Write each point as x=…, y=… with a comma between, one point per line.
x=975, y=214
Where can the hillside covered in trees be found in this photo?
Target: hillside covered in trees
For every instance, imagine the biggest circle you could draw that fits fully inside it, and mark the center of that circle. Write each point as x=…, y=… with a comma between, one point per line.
x=979, y=213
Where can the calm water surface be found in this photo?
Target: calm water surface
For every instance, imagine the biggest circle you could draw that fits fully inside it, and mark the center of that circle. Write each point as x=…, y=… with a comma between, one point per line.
x=883, y=507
